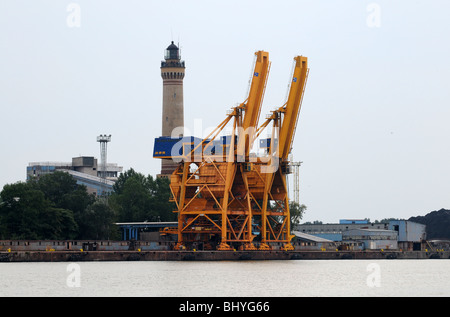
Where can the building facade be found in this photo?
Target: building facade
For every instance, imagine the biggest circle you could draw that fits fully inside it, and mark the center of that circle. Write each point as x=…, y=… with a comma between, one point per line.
x=84, y=170
x=333, y=231
x=395, y=234
x=410, y=234
x=373, y=239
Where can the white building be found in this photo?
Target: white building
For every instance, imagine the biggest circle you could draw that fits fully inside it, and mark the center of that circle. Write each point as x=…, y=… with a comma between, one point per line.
x=373, y=239
x=84, y=170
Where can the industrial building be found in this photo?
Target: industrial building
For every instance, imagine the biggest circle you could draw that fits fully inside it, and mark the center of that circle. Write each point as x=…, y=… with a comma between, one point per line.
x=333, y=231
x=98, y=178
x=373, y=239
x=84, y=170
x=395, y=234
x=410, y=234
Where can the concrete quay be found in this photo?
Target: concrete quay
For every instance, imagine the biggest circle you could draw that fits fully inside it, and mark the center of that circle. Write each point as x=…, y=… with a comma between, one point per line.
x=79, y=256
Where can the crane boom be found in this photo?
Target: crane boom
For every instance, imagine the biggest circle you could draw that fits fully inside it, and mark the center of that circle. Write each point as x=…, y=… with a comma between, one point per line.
x=292, y=107
x=252, y=106
x=279, y=145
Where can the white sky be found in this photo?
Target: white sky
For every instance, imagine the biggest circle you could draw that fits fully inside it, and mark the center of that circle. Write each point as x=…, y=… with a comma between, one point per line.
x=373, y=132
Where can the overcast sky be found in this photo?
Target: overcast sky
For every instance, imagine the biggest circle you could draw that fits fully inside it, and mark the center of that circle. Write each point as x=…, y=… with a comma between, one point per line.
x=373, y=132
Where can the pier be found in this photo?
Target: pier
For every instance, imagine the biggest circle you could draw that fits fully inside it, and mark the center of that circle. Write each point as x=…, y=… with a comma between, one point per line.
x=79, y=256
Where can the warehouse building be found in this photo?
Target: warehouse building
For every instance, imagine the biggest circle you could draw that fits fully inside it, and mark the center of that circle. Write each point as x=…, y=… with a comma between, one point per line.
x=395, y=234
x=373, y=239
x=333, y=231
x=411, y=235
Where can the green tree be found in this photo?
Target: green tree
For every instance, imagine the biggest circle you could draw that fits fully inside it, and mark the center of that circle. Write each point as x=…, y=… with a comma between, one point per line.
x=160, y=191
x=296, y=211
x=119, y=185
x=56, y=207
x=140, y=198
x=98, y=222
x=20, y=211
x=315, y=222
x=62, y=190
x=134, y=201
x=57, y=224
x=27, y=214
x=386, y=220
x=437, y=224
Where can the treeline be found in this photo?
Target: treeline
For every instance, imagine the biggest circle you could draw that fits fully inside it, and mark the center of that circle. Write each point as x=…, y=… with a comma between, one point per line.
x=437, y=224
x=55, y=207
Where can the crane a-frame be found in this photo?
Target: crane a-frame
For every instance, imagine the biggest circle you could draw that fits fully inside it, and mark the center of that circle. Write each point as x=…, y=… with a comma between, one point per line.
x=226, y=197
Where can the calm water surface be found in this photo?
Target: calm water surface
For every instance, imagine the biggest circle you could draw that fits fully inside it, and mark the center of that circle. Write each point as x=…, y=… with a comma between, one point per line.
x=243, y=278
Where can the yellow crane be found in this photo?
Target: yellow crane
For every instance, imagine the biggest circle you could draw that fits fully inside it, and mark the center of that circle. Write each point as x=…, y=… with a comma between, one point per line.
x=222, y=193
x=275, y=223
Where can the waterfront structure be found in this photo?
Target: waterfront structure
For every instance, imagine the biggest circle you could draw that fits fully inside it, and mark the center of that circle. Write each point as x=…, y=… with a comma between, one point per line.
x=138, y=230
x=84, y=170
x=373, y=239
x=409, y=235
x=172, y=73
x=333, y=231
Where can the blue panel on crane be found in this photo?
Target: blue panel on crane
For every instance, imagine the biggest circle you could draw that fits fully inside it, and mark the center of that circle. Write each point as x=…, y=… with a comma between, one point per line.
x=226, y=140
x=265, y=143
x=167, y=147
x=173, y=147
x=163, y=146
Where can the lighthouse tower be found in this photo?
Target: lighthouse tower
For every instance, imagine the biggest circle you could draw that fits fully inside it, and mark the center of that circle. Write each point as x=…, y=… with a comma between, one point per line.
x=172, y=73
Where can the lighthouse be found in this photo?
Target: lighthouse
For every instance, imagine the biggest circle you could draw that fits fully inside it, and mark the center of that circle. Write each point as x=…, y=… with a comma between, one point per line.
x=172, y=73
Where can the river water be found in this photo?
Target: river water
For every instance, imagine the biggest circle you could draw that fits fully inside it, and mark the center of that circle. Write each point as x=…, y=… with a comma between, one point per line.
x=354, y=278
